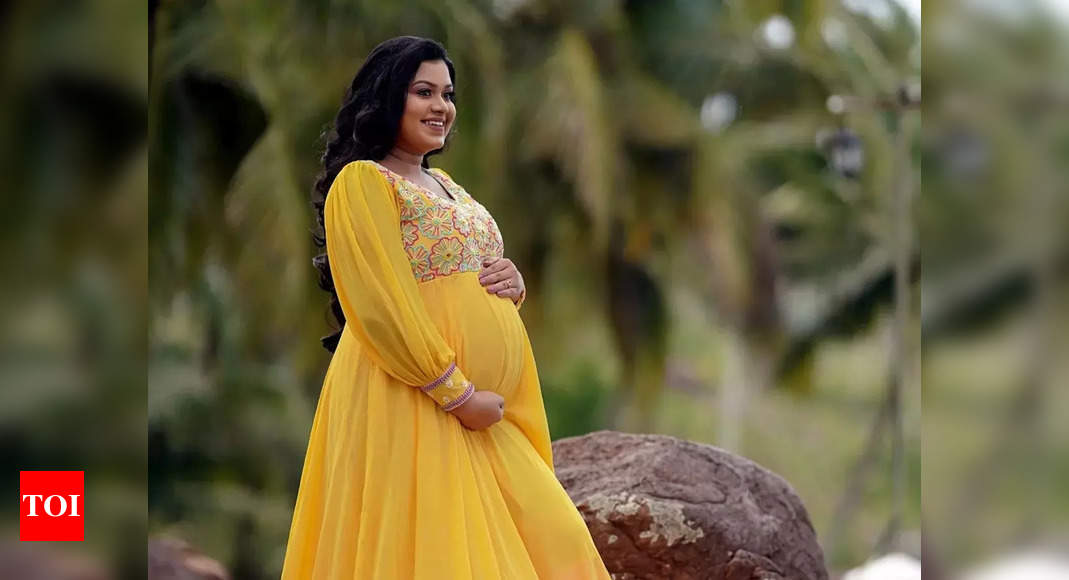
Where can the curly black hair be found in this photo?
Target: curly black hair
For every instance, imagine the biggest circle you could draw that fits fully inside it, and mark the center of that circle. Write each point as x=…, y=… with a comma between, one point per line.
x=366, y=127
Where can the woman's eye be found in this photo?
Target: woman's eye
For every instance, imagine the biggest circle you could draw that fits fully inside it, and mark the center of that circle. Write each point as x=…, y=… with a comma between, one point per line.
x=451, y=96
x=424, y=92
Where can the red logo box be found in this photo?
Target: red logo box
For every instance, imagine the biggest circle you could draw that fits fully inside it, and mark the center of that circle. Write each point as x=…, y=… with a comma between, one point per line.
x=51, y=506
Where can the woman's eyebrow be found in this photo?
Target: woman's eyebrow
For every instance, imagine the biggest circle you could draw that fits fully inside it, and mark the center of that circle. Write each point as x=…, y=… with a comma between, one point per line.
x=414, y=83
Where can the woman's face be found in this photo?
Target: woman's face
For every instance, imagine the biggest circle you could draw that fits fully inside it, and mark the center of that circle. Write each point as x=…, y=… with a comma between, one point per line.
x=429, y=109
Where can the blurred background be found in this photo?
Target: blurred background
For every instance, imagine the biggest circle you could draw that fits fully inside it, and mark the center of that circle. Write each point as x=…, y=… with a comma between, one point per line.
x=709, y=202
x=992, y=221
x=718, y=207
x=73, y=278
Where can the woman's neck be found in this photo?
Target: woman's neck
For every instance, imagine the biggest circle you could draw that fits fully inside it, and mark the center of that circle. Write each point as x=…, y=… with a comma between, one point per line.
x=404, y=163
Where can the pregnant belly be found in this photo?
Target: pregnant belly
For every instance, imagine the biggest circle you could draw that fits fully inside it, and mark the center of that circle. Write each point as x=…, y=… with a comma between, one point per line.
x=484, y=329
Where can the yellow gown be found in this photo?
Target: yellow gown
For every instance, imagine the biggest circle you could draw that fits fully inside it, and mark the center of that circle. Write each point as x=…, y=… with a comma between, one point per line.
x=393, y=486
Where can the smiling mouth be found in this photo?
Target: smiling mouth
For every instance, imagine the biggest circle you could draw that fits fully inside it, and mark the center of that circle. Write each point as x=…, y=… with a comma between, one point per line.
x=435, y=124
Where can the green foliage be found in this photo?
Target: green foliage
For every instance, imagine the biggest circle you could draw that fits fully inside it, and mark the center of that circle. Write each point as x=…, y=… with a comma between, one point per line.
x=576, y=403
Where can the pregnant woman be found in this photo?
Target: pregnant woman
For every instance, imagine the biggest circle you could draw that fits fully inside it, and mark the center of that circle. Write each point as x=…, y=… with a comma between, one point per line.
x=429, y=456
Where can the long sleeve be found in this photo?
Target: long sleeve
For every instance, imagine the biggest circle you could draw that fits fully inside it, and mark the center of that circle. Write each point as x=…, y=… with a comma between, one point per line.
x=376, y=289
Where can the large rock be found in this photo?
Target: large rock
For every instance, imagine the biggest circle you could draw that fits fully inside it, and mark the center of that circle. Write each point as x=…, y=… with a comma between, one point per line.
x=663, y=508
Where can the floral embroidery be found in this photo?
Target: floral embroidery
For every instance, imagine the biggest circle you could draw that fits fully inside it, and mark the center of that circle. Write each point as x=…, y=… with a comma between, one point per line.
x=461, y=224
x=446, y=256
x=443, y=236
x=469, y=390
x=497, y=246
x=440, y=380
x=412, y=207
x=420, y=260
x=449, y=390
x=437, y=222
x=409, y=233
x=472, y=247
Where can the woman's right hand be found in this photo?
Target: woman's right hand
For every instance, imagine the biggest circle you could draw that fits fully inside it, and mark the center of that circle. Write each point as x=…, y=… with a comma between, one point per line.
x=482, y=409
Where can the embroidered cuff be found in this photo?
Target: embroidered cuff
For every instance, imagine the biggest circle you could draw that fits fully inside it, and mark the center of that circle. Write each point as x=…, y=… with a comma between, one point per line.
x=519, y=301
x=450, y=390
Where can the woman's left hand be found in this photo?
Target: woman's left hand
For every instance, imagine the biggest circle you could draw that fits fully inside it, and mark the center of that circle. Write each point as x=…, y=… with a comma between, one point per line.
x=501, y=277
